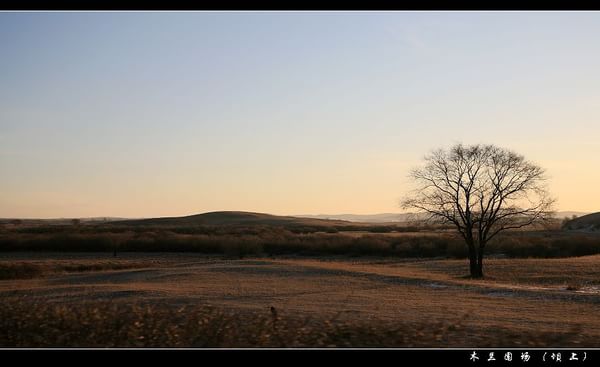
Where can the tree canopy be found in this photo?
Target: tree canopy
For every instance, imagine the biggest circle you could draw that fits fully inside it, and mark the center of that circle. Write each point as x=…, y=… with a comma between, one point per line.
x=482, y=190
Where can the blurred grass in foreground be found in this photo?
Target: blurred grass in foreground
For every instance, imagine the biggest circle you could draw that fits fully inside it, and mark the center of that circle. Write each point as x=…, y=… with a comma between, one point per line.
x=24, y=323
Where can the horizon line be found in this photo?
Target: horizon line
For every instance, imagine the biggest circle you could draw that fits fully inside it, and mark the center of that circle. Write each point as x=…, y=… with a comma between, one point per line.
x=583, y=212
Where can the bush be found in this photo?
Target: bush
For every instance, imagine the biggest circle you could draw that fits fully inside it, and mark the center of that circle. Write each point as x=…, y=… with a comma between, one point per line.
x=271, y=241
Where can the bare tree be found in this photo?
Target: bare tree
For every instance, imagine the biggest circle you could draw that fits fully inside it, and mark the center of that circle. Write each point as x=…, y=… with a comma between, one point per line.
x=481, y=190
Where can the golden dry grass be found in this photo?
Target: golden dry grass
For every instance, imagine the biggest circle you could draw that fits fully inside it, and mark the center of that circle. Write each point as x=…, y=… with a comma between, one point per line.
x=364, y=302
x=38, y=268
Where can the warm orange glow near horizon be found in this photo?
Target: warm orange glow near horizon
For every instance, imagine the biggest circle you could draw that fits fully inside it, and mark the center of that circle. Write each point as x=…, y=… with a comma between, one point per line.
x=376, y=190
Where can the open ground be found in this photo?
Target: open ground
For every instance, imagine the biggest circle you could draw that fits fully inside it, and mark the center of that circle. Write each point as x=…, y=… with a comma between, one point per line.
x=402, y=302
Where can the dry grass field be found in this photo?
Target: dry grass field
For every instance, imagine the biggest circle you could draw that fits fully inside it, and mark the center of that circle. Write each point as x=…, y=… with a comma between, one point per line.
x=187, y=300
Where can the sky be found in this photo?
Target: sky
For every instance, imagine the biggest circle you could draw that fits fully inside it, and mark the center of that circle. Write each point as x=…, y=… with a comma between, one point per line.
x=145, y=114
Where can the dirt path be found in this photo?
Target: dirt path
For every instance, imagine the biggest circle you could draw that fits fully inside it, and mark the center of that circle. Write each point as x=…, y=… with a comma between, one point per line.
x=411, y=274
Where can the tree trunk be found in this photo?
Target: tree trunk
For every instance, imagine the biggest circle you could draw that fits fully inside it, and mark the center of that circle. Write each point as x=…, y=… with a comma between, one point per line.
x=473, y=266
x=479, y=272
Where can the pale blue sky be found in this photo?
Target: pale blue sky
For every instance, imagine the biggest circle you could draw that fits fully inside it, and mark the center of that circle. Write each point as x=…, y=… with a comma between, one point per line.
x=170, y=113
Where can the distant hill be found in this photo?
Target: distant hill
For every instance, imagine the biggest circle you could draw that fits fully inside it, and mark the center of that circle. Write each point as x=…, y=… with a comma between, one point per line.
x=590, y=222
x=401, y=217
x=251, y=218
x=566, y=214
x=235, y=218
x=369, y=218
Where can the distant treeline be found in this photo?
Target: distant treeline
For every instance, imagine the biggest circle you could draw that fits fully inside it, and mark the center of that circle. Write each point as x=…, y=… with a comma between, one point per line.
x=222, y=229
x=272, y=241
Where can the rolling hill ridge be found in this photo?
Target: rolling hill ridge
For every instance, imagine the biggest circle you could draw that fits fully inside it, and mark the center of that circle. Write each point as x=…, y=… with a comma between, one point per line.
x=590, y=222
x=237, y=218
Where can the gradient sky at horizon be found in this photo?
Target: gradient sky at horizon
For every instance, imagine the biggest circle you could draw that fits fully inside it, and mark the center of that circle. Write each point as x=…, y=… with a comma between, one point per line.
x=143, y=114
